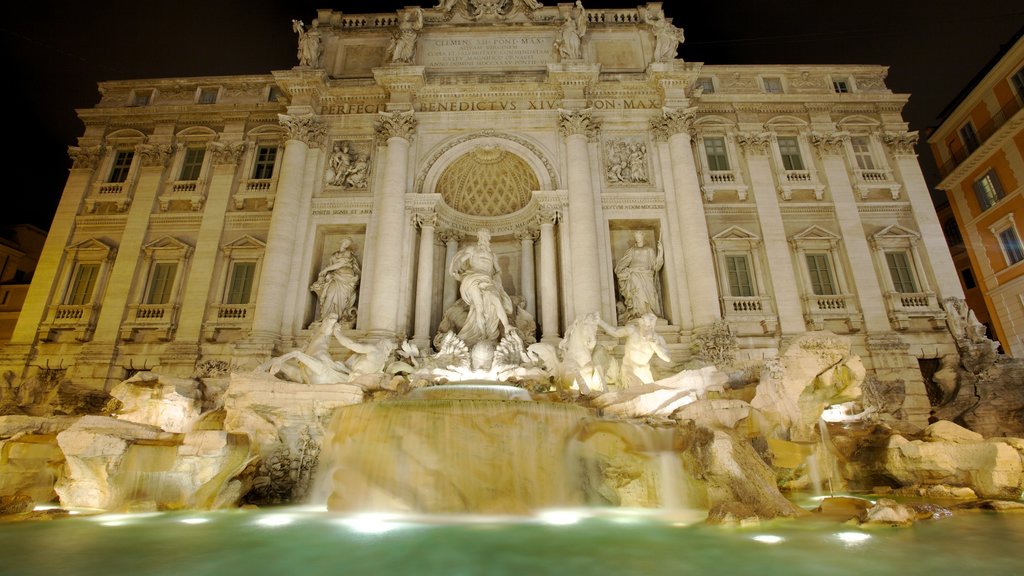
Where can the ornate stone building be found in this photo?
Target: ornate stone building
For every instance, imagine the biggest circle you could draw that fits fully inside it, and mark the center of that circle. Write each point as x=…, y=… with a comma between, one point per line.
x=780, y=199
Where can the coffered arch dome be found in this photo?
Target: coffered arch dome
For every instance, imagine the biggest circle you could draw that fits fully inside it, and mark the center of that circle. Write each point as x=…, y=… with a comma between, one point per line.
x=487, y=181
x=487, y=173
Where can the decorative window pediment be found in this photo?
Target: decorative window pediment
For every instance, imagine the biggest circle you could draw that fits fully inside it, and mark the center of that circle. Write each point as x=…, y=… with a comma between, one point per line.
x=167, y=247
x=243, y=244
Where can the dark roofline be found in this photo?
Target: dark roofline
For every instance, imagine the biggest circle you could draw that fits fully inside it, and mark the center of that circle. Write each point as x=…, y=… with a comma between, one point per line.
x=979, y=77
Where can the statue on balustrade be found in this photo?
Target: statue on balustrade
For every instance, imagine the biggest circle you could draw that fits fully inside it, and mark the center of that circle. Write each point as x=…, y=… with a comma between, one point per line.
x=309, y=44
x=666, y=36
x=636, y=273
x=336, y=285
x=570, y=35
x=403, y=45
x=489, y=307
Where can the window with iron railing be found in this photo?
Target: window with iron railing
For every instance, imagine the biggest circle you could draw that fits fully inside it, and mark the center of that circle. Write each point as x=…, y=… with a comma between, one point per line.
x=959, y=152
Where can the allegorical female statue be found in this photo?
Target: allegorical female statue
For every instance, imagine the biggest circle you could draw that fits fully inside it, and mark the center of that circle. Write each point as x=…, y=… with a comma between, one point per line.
x=636, y=273
x=336, y=284
x=477, y=270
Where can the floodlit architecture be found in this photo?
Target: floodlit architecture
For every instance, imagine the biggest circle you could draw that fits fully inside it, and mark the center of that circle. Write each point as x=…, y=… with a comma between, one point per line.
x=506, y=164
x=979, y=146
x=20, y=246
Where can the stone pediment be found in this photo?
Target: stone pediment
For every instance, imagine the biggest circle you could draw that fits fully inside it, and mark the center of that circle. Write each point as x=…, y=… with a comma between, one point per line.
x=736, y=233
x=91, y=246
x=895, y=232
x=166, y=245
x=813, y=233
x=245, y=242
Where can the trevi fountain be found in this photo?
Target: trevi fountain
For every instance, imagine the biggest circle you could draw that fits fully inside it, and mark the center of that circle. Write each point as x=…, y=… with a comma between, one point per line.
x=489, y=449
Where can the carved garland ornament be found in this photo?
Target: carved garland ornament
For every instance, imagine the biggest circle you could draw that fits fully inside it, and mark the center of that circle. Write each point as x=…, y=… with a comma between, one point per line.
x=578, y=122
x=226, y=152
x=85, y=157
x=832, y=143
x=901, y=142
x=395, y=125
x=154, y=155
x=307, y=128
x=755, y=143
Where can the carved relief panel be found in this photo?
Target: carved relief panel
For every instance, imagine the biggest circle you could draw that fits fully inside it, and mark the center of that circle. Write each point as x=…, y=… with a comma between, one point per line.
x=348, y=165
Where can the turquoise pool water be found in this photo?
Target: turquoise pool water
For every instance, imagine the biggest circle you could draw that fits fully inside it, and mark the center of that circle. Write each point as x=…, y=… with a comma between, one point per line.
x=299, y=542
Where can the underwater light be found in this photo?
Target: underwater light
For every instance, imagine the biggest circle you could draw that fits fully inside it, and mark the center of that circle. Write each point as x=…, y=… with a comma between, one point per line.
x=769, y=538
x=560, y=517
x=194, y=520
x=853, y=537
x=371, y=523
x=276, y=520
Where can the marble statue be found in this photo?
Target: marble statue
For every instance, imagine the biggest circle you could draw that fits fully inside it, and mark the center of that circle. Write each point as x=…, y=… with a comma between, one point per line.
x=577, y=350
x=366, y=358
x=445, y=5
x=570, y=35
x=962, y=322
x=642, y=344
x=309, y=44
x=313, y=363
x=636, y=273
x=403, y=45
x=476, y=268
x=336, y=284
x=667, y=37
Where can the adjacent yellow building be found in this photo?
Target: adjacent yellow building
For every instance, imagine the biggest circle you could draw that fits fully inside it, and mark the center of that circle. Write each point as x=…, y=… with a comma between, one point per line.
x=979, y=147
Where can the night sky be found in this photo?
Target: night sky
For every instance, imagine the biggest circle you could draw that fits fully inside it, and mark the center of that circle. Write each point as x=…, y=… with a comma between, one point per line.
x=59, y=50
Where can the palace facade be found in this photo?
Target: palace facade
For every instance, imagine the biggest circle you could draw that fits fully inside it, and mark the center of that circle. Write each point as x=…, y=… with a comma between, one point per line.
x=200, y=211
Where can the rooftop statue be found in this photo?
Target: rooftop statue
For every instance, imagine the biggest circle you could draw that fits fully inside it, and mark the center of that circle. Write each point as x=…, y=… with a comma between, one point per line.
x=570, y=35
x=667, y=37
x=403, y=46
x=309, y=44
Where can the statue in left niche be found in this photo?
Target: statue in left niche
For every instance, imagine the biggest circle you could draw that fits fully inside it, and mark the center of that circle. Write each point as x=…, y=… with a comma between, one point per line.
x=403, y=45
x=309, y=44
x=336, y=285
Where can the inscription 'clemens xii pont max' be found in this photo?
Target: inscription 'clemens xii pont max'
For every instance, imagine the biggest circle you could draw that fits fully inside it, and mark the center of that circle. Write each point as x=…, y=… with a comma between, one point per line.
x=478, y=52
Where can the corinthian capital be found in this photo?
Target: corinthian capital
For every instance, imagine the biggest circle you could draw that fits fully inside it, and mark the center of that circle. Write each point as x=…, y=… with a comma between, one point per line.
x=154, y=155
x=226, y=152
x=755, y=143
x=395, y=125
x=673, y=121
x=307, y=128
x=901, y=143
x=830, y=143
x=581, y=122
x=85, y=157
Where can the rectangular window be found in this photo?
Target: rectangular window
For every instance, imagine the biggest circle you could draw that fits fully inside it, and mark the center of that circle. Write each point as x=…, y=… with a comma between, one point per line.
x=1012, y=248
x=970, y=137
x=263, y=168
x=714, y=149
x=142, y=97
x=240, y=286
x=841, y=85
x=208, y=95
x=862, y=152
x=707, y=85
x=968, y=277
x=122, y=164
x=161, y=282
x=821, y=275
x=899, y=270
x=988, y=189
x=82, y=285
x=740, y=284
x=789, y=147
x=192, y=164
x=1018, y=83
x=772, y=85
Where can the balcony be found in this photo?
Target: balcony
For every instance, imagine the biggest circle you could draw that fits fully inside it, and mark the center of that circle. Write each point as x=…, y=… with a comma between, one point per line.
x=115, y=193
x=960, y=153
x=160, y=318
x=792, y=180
x=819, y=309
x=191, y=191
x=749, y=315
x=79, y=319
x=256, y=189
x=906, y=305
x=715, y=180
x=867, y=180
x=227, y=317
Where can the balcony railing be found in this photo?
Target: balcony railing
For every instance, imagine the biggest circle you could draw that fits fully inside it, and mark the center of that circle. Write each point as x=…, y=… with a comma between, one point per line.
x=959, y=153
x=798, y=176
x=256, y=188
x=873, y=176
x=721, y=176
x=79, y=319
x=226, y=317
x=191, y=191
x=819, y=308
x=906, y=305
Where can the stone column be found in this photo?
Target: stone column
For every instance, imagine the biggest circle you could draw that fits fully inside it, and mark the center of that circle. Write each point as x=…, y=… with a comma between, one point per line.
x=45, y=278
x=781, y=275
x=548, y=276
x=424, y=278
x=224, y=157
x=152, y=159
x=396, y=128
x=947, y=280
x=304, y=132
x=526, y=239
x=451, y=286
x=674, y=126
x=579, y=128
x=831, y=149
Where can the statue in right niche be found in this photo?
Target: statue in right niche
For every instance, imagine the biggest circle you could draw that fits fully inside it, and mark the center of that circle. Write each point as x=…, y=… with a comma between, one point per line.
x=637, y=274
